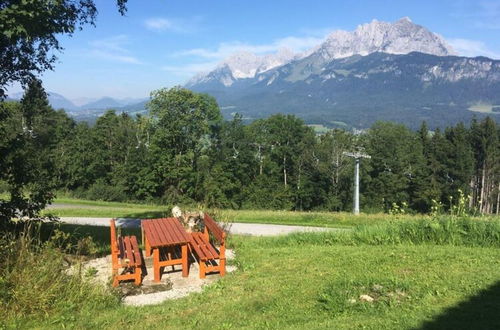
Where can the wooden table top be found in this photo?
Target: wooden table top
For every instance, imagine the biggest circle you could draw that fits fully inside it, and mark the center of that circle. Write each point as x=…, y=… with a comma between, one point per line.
x=164, y=232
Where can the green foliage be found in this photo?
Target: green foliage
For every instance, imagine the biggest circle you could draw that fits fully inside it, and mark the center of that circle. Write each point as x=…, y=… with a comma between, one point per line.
x=34, y=278
x=441, y=231
x=27, y=165
x=29, y=31
x=183, y=153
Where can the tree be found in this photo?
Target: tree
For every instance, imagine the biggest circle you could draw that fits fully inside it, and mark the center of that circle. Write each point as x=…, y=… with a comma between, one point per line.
x=29, y=30
x=397, y=166
x=28, y=165
x=183, y=126
x=336, y=168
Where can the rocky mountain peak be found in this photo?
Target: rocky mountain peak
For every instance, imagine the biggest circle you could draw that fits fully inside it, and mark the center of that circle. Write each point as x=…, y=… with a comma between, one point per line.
x=400, y=37
x=244, y=64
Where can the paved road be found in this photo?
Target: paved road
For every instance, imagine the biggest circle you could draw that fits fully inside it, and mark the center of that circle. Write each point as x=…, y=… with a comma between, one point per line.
x=254, y=229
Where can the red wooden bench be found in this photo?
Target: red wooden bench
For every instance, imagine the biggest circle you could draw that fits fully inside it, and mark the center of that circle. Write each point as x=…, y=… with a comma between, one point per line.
x=208, y=253
x=126, y=257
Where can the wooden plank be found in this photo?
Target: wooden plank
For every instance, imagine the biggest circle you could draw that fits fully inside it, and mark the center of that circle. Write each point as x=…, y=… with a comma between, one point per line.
x=169, y=227
x=128, y=250
x=158, y=239
x=174, y=229
x=214, y=228
x=136, y=251
x=197, y=250
x=203, y=246
x=146, y=230
x=162, y=230
x=181, y=232
x=121, y=248
x=207, y=246
x=151, y=234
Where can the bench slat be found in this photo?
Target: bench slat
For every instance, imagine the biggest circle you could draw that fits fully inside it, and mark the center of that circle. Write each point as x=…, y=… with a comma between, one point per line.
x=136, y=251
x=203, y=246
x=128, y=250
x=214, y=228
x=211, y=250
x=197, y=249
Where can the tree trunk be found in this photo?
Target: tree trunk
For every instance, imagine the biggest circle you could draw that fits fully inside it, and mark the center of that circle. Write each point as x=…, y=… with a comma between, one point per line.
x=481, y=199
x=473, y=192
x=498, y=198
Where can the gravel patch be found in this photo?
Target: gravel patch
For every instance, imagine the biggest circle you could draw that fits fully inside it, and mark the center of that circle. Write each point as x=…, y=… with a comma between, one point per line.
x=172, y=285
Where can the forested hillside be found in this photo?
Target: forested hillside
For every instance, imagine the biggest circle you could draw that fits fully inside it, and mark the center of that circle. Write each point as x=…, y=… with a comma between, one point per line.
x=184, y=152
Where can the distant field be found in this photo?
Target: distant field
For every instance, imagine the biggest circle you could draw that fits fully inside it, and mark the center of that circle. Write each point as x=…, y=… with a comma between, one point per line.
x=485, y=108
x=83, y=208
x=319, y=129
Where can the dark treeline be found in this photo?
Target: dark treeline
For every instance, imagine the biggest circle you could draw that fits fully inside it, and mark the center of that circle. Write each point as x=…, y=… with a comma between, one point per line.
x=184, y=152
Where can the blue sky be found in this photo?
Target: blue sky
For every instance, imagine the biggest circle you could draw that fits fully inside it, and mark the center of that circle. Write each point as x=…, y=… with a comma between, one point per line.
x=162, y=43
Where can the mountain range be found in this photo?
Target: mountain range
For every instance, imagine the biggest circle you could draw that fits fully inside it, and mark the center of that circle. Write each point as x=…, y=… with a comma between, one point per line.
x=58, y=101
x=396, y=71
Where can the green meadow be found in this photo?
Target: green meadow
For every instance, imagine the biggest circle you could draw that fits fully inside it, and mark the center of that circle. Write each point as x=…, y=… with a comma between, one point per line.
x=421, y=273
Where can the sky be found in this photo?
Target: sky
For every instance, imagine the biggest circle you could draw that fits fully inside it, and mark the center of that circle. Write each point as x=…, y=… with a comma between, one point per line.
x=163, y=43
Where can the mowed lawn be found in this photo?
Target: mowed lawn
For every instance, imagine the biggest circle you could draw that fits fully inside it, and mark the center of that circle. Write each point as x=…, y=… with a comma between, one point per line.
x=308, y=286
x=84, y=208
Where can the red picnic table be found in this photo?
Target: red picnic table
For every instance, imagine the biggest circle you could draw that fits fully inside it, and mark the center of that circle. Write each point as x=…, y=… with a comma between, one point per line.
x=165, y=233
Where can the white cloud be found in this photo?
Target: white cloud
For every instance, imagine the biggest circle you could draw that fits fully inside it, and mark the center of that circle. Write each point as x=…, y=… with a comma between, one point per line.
x=161, y=24
x=225, y=49
x=158, y=24
x=113, y=49
x=467, y=47
x=190, y=69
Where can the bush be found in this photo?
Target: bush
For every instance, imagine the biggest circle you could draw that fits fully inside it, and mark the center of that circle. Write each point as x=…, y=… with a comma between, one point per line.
x=106, y=192
x=34, y=281
x=441, y=231
x=4, y=187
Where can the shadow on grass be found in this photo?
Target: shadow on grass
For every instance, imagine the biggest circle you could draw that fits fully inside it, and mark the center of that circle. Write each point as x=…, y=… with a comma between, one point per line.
x=101, y=235
x=147, y=215
x=479, y=312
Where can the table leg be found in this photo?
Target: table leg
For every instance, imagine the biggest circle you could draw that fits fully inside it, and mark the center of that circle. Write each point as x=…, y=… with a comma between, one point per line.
x=147, y=247
x=142, y=236
x=185, y=266
x=156, y=264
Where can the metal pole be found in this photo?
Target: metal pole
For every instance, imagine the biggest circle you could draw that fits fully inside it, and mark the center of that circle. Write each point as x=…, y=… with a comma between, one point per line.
x=356, y=156
x=356, y=187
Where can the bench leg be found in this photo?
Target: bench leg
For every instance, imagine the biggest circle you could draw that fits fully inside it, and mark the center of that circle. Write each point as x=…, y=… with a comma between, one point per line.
x=222, y=266
x=156, y=264
x=202, y=269
x=115, y=280
x=138, y=276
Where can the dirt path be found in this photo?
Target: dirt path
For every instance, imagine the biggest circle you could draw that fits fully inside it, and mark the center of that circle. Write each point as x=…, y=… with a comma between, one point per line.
x=254, y=229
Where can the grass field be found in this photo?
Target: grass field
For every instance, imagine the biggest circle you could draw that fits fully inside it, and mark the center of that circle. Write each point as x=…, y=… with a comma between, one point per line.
x=296, y=284
x=83, y=208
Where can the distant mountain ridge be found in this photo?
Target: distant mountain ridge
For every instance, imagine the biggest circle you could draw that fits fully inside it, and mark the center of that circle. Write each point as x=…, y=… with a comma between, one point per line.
x=400, y=37
x=58, y=101
x=381, y=71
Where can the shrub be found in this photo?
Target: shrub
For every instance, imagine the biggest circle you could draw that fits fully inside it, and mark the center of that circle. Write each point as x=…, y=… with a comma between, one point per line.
x=34, y=280
x=106, y=192
x=442, y=231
